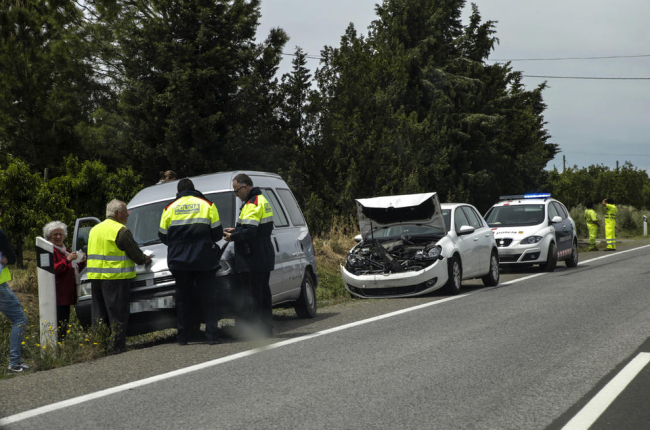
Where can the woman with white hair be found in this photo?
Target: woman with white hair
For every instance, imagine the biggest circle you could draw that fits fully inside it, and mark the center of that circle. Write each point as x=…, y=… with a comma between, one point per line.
x=64, y=272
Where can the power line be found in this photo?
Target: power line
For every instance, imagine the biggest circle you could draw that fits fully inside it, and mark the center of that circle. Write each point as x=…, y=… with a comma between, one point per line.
x=586, y=77
x=569, y=58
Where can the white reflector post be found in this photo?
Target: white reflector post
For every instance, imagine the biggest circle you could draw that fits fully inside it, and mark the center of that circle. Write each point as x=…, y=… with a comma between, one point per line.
x=46, y=292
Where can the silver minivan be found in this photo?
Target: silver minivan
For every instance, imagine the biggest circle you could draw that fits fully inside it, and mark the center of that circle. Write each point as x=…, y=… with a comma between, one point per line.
x=293, y=281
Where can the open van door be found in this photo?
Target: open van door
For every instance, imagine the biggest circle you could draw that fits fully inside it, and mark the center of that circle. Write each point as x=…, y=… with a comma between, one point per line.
x=82, y=227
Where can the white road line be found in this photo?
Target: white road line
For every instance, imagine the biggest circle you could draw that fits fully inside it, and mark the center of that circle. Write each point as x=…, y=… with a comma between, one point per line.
x=135, y=384
x=592, y=410
x=613, y=253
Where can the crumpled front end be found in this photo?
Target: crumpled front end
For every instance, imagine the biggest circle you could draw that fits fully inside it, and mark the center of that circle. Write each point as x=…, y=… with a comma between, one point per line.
x=407, y=266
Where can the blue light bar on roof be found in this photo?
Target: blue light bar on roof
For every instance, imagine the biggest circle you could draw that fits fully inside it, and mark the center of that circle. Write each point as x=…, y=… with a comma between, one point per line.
x=526, y=196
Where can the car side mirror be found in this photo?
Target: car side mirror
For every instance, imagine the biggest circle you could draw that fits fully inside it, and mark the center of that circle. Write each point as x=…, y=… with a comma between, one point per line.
x=556, y=219
x=466, y=229
x=357, y=238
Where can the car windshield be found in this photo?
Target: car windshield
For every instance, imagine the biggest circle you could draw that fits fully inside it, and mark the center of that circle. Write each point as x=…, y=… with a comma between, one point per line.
x=144, y=221
x=517, y=215
x=405, y=229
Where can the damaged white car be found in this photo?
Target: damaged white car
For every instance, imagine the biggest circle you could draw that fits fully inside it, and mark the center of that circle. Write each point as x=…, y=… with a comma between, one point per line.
x=411, y=245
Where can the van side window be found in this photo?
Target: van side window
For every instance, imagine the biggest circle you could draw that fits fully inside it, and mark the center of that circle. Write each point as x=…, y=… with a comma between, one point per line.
x=292, y=206
x=279, y=217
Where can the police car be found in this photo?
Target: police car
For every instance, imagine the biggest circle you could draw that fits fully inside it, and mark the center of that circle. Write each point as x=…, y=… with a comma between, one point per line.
x=533, y=229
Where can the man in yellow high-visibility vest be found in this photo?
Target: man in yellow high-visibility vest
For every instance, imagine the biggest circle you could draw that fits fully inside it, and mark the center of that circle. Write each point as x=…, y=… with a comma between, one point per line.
x=591, y=219
x=610, y=224
x=254, y=253
x=111, y=260
x=11, y=307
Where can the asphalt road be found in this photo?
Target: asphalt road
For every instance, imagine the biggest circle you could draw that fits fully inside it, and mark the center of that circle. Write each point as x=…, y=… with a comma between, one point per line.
x=531, y=353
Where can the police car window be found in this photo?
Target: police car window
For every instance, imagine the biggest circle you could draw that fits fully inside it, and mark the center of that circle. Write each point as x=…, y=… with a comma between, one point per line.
x=552, y=211
x=459, y=219
x=279, y=217
x=292, y=207
x=472, y=217
x=560, y=210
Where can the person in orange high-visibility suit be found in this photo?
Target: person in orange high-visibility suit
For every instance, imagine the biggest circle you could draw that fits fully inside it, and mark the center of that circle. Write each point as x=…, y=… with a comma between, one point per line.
x=610, y=224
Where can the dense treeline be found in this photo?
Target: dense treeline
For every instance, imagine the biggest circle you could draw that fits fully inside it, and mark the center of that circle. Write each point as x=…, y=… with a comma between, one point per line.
x=96, y=97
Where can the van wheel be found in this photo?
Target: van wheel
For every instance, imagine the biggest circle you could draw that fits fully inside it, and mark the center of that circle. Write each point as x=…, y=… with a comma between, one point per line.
x=455, y=271
x=551, y=259
x=306, y=305
x=492, y=278
x=573, y=260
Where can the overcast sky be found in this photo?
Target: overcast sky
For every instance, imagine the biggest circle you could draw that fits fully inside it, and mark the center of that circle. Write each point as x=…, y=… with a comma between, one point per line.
x=593, y=121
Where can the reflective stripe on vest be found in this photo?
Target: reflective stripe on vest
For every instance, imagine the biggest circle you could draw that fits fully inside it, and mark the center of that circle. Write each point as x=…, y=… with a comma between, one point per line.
x=5, y=275
x=105, y=260
x=189, y=210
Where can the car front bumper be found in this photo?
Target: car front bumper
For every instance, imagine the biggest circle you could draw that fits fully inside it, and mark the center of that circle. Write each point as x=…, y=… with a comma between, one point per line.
x=402, y=284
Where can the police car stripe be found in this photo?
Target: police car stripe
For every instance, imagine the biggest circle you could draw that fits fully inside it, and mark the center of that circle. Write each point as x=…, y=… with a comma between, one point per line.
x=190, y=221
x=111, y=270
x=108, y=257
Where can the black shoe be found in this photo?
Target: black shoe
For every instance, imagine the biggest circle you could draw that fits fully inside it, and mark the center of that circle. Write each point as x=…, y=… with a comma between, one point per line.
x=216, y=341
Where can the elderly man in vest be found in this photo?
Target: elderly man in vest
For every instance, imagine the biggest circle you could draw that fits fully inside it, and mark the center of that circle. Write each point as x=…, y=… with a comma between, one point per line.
x=254, y=254
x=112, y=256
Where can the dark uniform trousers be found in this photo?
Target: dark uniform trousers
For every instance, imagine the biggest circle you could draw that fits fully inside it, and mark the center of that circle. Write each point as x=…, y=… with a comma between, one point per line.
x=111, y=301
x=193, y=286
x=261, y=313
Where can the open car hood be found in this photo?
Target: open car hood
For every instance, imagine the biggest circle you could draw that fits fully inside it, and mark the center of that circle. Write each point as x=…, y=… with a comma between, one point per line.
x=380, y=212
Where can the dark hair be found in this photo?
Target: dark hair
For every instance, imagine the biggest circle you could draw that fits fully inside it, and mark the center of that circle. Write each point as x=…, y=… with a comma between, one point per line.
x=609, y=201
x=243, y=179
x=589, y=205
x=185, y=184
x=170, y=175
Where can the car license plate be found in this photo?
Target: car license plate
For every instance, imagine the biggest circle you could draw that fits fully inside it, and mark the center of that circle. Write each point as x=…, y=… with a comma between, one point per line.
x=154, y=304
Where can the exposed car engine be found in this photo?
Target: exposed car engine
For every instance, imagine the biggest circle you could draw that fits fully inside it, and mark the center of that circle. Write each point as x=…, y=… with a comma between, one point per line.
x=406, y=254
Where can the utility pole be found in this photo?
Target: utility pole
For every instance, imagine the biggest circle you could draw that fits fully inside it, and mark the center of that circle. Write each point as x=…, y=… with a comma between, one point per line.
x=563, y=163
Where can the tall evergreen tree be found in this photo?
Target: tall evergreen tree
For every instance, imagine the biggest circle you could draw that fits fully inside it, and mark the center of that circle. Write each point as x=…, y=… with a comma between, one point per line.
x=414, y=107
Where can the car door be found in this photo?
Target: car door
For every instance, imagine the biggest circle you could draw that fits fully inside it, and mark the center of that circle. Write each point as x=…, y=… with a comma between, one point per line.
x=467, y=244
x=82, y=227
x=564, y=231
x=483, y=234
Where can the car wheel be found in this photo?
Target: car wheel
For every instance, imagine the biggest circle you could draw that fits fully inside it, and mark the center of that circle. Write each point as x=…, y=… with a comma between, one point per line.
x=573, y=260
x=551, y=259
x=492, y=278
x=452, y=287
x=306, y=305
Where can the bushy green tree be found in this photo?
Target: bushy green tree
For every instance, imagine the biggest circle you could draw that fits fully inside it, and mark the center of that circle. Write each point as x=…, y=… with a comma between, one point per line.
x=47, y=80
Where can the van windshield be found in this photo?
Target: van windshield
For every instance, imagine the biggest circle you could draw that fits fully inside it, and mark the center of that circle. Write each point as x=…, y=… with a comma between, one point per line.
x=144, y=221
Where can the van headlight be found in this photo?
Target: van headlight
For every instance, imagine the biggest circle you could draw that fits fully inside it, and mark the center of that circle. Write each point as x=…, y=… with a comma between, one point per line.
x=530, y=240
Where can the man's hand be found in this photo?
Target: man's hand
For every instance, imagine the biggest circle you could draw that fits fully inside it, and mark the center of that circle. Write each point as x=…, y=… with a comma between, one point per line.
x=227, y=232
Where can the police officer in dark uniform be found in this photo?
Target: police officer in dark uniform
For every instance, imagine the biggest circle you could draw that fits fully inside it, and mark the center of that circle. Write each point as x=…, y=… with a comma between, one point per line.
x=190, y=226
x=254, y=253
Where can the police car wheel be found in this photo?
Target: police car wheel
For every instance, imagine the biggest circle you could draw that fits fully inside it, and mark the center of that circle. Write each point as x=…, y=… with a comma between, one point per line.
x=452, y=287
x=573, y=259
x=551, y=259
x=492, y=278
x=306, y=305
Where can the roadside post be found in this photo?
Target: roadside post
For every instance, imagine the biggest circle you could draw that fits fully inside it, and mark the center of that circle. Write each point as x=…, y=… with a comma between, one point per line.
x=645, y=225
x=46, y=292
